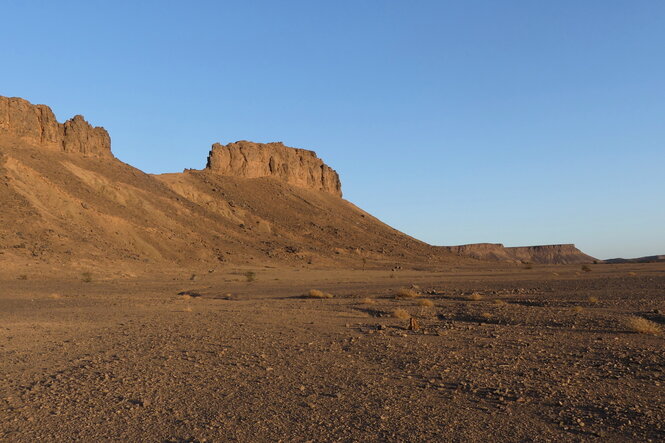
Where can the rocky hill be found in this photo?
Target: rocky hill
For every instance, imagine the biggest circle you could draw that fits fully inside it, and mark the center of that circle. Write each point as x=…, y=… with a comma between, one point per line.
x=67, y=200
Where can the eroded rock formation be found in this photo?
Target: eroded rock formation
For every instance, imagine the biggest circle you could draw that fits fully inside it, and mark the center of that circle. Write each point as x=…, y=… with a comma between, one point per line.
x=36, y=124
x=298, y=167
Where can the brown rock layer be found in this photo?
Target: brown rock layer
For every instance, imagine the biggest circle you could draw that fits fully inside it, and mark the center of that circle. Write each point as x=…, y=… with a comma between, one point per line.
x=297, y=167
x=37, y=125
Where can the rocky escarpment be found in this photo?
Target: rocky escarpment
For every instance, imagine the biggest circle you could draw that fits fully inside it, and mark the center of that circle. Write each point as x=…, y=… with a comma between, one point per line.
x=552, y=254
x=559, y=254
x=298, y=167
x=37, y=125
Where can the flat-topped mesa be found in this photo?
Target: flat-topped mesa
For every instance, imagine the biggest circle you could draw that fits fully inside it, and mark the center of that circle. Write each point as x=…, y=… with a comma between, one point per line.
x=36, y=124
x=553, y=254
x=298, y=167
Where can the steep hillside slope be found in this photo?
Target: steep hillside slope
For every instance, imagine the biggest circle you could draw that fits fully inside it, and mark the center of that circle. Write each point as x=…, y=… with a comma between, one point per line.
x=83, y=206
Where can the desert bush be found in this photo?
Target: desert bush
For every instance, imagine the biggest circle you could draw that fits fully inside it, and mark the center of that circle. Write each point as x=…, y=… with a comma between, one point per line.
x=499, y=302
x=593, y=299
x=476, y=296
x=250, y=276
x=528, y=266
x=22, y=277
x=315, y=293
x=368, y=301
x=578, y=309
x=585, y=268
x=406, y=293
x=425, y=302
x=486, y=316
x=642, y=326
x=86, y=277
x=401, y=314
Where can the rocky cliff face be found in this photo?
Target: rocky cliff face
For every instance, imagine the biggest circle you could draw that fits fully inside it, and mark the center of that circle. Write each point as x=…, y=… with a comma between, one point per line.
x=37, y=125
x=298, y=167
x=552, y=254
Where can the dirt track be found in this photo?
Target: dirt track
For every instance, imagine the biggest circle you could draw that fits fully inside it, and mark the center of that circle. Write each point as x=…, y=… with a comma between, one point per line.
x=131, y=360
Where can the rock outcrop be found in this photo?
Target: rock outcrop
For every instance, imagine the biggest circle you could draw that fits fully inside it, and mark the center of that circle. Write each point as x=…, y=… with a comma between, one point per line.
x=298, y=167
x=545, y=254
x=37, y=125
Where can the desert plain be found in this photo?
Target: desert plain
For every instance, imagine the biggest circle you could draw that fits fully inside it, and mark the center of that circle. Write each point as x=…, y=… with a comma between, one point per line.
x=539, y=353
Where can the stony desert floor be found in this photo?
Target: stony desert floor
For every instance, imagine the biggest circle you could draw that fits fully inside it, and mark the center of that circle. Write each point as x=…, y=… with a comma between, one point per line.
x=508, y=354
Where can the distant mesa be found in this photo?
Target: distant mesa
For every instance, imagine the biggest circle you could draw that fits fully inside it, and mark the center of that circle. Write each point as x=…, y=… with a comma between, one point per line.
x=36, y=124
x=554, y=254
x=648, y=259
x=298, y=167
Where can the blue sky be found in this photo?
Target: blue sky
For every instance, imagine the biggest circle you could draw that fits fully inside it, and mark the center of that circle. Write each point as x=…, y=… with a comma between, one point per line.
x=520, y=122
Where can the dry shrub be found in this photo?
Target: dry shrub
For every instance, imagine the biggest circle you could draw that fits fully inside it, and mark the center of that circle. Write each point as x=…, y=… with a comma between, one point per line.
x=401, y=314
x=22, y=277
x=578, y=309
x=593, y=299
x=486, y=316
x=643, y=326
x=315, y=293
x=187, y=309
x=585, y=268
x=476, y=296
x=186, y=297
x=55, y=296
x=406, y=293
x=556, y=274
x=368, y=301
x=86, y=277
x=425, y=302
x=499, y=302
x=632, y=274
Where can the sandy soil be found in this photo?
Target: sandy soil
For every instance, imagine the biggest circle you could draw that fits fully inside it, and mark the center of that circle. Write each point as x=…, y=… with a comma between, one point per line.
x=511, y=354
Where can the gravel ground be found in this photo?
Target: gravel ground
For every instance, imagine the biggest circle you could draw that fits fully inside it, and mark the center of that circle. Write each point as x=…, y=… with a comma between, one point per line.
x=538, y=354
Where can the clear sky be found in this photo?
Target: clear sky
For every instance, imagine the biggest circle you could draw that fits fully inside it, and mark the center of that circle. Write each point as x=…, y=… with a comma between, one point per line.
x=520, y=122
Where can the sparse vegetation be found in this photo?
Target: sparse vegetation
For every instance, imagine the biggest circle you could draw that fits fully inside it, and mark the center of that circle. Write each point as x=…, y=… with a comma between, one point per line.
x=578, y=309
x=401, y=314
x=585, y=268
x=643, y=326
x=499, y=302
x=528, y=266
x=406, y=293
x=22, y=277
x=476, y=296
x=425, y=302
x=368, y=301
x=250, y=276
x=315, y=293
x=593, y=299
x=86, y=277
x=486, y=316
